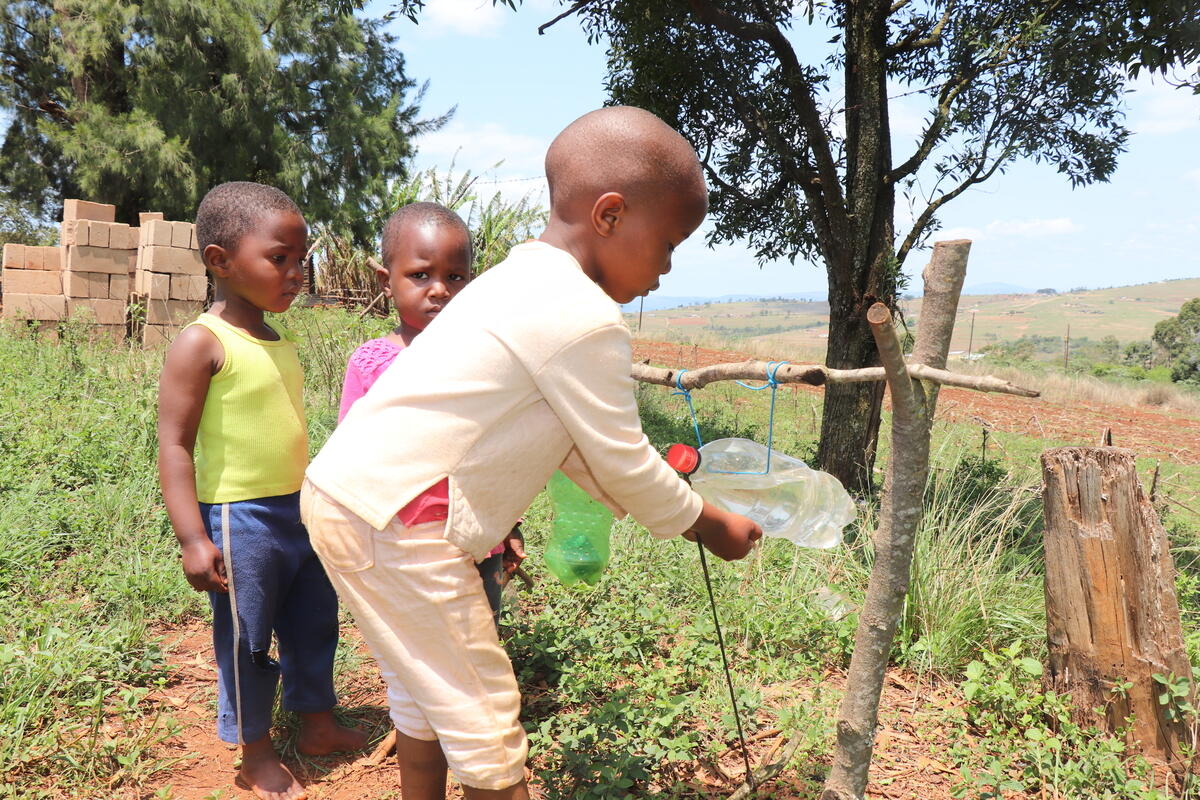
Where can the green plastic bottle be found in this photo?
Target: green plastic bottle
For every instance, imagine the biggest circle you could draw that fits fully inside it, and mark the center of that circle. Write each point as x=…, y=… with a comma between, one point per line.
x=578, y=547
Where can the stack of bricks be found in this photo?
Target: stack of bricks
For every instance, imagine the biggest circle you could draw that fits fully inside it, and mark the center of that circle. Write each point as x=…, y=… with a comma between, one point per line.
x=170, y=280
x=32, y=283
x=98, y=260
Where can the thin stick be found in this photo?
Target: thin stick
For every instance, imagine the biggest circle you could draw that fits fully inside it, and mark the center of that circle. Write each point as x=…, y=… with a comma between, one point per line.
x=818, y=375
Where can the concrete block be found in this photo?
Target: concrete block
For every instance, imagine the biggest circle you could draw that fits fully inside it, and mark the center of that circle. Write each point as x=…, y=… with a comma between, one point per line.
x=189, y=287
x=146, y=216
x=118, y=287
x=120, y=237
x=172, y=312
x=158, y=335
x=152, y=285
x=156, y=232
x=74, y=231
x=85, y=284
x=174, y=260
x=31, y=281
x=52, y=258
x=100, y=311
x=99, y=234
x=196, y=287
x=34, y=306
x=195, y=245
x=181, y=234
x=35, y=257
x=98, y=259
x=82, y=209
x=14, y=256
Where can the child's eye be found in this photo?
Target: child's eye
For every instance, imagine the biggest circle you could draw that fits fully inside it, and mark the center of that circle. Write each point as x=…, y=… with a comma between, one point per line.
x=457, y=278
x=418, y=276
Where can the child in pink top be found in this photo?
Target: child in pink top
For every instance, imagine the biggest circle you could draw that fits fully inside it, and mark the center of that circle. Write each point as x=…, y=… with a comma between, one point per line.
x=426, y=261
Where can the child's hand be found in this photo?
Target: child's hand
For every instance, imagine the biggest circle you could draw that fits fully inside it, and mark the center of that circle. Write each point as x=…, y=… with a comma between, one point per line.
x=204, y=567
x=514, y=550
x=727, y=536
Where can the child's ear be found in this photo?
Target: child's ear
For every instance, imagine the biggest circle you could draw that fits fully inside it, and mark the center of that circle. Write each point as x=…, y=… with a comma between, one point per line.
x=383, y=277
x=607, y=213
x=216, y=258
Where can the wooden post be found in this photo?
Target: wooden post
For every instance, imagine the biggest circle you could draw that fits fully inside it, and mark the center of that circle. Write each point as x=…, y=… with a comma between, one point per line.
x=943, y=276
x=1111, y=612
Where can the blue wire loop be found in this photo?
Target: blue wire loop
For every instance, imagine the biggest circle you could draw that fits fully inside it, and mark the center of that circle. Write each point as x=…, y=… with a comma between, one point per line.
x=772, y=384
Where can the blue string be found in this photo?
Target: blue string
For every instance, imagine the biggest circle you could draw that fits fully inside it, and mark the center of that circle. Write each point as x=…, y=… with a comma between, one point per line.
x=687, y=396
x=772, y=384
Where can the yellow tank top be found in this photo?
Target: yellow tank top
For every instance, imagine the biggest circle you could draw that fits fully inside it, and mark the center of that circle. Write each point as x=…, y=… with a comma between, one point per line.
x=252, y=441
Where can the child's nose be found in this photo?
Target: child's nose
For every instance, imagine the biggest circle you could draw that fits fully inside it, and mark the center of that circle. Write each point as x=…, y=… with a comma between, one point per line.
x=440, y=289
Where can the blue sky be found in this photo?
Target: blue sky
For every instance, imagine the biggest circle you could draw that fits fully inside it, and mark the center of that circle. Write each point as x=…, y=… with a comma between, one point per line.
x=514, y=90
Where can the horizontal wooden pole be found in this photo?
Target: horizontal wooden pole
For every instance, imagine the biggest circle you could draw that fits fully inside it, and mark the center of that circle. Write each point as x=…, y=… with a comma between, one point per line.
x=818, y=375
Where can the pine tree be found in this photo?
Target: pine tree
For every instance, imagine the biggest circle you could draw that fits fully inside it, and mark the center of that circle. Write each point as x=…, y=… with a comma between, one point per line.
x=149, y=105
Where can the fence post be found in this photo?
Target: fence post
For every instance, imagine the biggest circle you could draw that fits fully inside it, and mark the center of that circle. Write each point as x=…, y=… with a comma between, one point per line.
x=1112, y=617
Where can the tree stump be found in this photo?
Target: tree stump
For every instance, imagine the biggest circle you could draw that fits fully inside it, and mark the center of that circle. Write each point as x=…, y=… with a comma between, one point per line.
x=1112, y=616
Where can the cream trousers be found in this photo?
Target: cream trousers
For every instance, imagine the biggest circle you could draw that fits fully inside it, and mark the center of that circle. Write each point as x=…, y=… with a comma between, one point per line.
x=420, y=605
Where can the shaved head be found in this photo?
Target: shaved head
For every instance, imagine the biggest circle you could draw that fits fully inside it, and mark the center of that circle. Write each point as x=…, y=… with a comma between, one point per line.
x=619, y=149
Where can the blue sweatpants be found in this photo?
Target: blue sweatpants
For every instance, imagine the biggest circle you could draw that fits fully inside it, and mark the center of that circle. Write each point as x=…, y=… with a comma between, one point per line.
x=279, y=586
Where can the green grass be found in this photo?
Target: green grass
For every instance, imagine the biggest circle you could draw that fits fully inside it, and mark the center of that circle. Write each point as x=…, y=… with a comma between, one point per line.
x=622, y=684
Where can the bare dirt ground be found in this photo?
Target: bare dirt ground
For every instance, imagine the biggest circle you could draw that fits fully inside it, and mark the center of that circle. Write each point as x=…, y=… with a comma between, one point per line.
x=919, y=720
x=1148, y=431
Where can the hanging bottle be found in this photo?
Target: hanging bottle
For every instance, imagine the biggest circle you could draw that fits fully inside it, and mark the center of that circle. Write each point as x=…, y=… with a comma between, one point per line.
x=789, y=501
x=578, y=549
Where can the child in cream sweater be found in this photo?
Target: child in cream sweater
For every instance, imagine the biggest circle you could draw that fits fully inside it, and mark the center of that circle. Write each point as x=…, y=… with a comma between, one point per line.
x=528, y=371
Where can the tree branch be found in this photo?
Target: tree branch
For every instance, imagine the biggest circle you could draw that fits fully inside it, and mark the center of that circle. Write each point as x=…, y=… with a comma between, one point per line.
x=978, y=175
x=817, y=375
x=910, y=42
x=810, y=118
x=579, y=5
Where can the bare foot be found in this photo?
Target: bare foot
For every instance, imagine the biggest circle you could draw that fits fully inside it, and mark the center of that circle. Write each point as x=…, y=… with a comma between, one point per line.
x=265, y=775
x=321, y=735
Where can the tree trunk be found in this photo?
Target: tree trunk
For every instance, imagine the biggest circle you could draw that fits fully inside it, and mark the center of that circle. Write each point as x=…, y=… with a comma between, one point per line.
x=867, y=274
x=850, y=414
x=1111, y=612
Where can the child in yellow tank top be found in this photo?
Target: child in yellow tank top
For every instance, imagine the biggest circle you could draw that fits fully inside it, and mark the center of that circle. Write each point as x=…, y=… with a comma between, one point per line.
x=232, y=452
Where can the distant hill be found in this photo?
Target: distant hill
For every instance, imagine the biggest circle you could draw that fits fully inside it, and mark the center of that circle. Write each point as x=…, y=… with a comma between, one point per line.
x=800, y=322
x=660, y=303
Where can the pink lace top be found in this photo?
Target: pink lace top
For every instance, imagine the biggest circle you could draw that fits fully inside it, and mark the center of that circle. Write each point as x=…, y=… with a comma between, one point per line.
x=366, y=365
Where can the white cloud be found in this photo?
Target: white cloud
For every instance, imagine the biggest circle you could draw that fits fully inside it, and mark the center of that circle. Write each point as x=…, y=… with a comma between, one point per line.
x=463, y=17
x=1010, y=227
x=480, y=148
x=503, y=161
x=1158, y=108
x=949, y=234
x=1033, y=227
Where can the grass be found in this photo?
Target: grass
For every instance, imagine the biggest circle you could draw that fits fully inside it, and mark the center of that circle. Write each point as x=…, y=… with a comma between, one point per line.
x=622, y=685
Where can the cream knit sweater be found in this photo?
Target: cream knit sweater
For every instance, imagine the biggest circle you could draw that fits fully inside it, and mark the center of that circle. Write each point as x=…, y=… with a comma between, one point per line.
x=526, y=372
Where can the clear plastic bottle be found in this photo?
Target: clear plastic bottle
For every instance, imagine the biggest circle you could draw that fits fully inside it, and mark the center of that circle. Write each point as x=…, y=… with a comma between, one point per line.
x=578, y=549
x=792, y=501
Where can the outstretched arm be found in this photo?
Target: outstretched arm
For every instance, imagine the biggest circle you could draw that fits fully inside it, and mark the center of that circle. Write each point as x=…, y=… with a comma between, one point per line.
x=194, y=357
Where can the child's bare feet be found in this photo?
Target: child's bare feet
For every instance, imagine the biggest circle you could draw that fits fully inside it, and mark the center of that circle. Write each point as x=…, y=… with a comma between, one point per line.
x=321, y=735
x=264, y=774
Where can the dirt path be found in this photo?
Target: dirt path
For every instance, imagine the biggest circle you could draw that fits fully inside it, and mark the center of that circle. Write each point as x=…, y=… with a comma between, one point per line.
x=1150, y=432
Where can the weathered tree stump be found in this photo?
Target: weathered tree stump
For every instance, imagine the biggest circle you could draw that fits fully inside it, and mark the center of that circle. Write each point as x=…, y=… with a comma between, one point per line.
x=1112, y=616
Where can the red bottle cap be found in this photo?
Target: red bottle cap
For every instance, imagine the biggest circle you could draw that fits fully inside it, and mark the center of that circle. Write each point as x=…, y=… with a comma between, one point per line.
x=683, y=458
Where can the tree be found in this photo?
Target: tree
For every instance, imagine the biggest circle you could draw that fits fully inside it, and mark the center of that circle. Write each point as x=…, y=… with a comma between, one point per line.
x=1179, y=337
x=800, y=160
x=148, y=106
x=19, y=224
